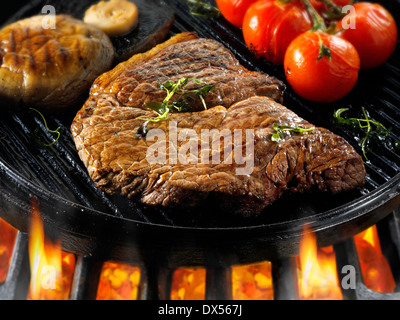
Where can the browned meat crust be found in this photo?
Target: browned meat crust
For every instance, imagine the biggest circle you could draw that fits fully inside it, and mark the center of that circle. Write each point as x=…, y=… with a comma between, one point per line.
x=249, y=171
x=135, y=82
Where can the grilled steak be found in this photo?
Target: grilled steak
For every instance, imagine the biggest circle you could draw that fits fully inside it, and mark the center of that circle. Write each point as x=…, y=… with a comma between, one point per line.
x=136, y=81
x=225, y=151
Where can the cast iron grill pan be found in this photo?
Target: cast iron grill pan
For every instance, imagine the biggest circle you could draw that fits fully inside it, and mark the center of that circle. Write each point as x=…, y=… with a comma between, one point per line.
x=72, y=205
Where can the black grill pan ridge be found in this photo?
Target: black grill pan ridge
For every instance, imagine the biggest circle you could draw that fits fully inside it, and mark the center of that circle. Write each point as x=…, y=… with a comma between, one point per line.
x=58, y=170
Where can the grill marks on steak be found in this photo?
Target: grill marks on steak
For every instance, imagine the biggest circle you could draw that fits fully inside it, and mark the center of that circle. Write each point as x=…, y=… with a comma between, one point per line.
x=135, y=82
x=117, y=162
x=105, y=136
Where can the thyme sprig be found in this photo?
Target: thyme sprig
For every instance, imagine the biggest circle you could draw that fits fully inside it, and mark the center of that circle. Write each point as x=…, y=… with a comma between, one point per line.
x=201, y=8
x=279, y=129
x=57, y=131
x=183, y=103
x=371, y=130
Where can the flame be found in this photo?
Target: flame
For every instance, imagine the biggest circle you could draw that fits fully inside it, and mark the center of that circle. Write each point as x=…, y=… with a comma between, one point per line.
x=252, y=282
x=188, y=284
x=316, y=270
x=51, y=268
x=118, y=282
x=375, y=268
x=249, y=282
x=7, y=240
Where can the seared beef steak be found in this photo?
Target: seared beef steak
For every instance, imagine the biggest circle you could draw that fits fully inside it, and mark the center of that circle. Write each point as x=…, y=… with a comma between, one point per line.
x=225, y=151
x=120, y=162
x=136, y=81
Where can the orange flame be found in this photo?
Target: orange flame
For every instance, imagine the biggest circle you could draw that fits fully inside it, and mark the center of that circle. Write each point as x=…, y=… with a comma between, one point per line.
x=118, y=282
x=249, y=282
x=188, y=284
x=375, y=269
x=7, y=240
x=252, y=282
x=51, y=268
x=316, y=270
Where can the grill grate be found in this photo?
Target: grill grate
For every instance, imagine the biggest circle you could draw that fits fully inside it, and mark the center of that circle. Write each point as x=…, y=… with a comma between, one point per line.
x=58, y=169
x=157, y=277
x=26, y=168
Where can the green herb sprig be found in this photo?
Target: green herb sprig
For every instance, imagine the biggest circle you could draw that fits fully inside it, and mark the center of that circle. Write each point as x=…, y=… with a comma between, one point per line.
x=371, y=130
x=57, y=131
x=279, y=129
x=204, y=9
x=183, y=103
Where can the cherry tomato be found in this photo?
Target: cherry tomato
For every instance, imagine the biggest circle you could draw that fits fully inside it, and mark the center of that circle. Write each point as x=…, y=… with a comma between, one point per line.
x=234, y=10
x=270, y=25
x=321, y=67
x=373, y=32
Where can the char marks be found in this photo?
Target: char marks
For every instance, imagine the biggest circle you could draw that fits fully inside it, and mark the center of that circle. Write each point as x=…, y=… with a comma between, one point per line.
x=51, y=67
x=246, y=102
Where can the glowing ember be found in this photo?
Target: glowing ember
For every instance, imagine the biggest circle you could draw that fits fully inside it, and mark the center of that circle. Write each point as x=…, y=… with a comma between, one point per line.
x=7, y=240
x=252, y=282
x=118, y=282
x=316, y=270
x=249, y=282
x=189, y=284
x=375, y=269
x=51, y=268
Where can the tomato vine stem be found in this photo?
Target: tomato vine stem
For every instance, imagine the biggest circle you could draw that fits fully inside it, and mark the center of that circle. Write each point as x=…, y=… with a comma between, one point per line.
x=318, y=25
x=317, y=20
